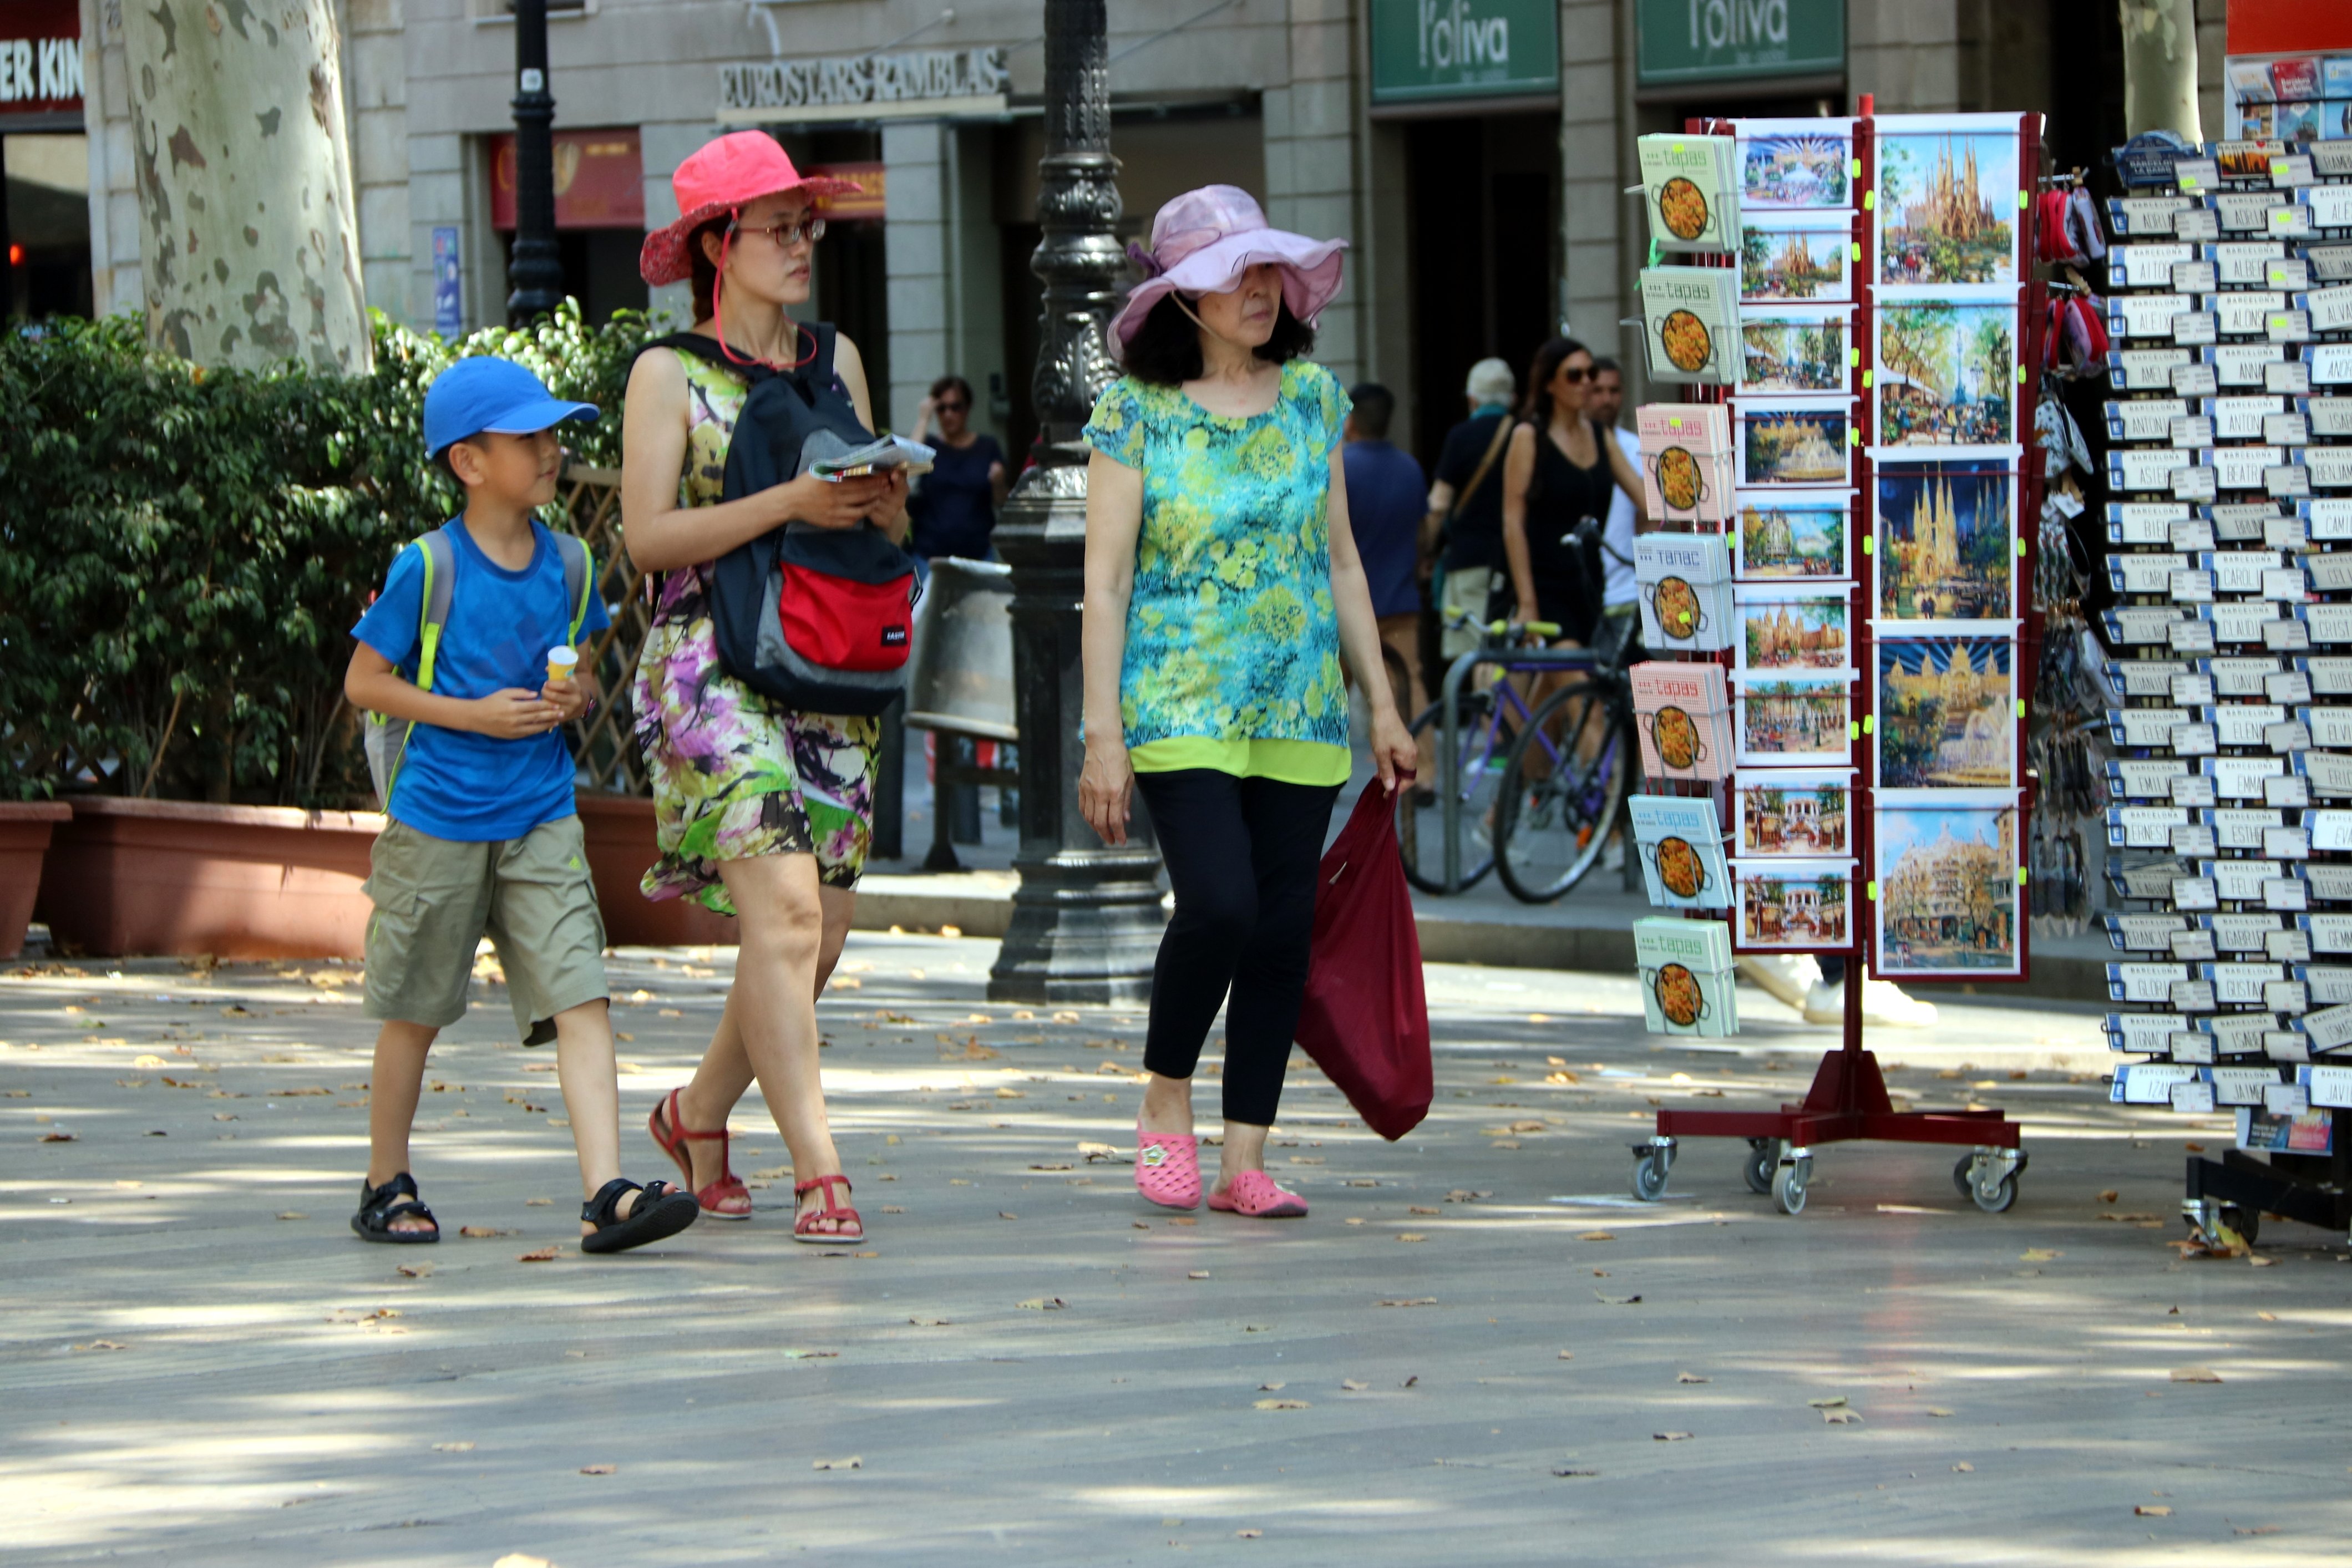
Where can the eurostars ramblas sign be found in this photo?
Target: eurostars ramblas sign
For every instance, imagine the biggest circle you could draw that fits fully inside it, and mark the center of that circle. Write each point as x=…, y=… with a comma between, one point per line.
x=1431, y=49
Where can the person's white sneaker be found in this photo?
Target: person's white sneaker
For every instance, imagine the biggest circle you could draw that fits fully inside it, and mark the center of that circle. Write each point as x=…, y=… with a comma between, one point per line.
x=1882, y=1003
x=1788, y=978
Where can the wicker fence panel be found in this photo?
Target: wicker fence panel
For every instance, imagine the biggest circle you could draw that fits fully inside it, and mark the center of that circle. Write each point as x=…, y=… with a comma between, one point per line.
x=603, y=747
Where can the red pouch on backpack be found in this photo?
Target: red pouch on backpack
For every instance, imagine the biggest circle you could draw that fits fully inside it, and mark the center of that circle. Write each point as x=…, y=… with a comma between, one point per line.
x=1365, y=1021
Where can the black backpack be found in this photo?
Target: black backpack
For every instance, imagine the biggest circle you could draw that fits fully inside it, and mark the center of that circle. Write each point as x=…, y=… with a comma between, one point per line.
x=820, y=620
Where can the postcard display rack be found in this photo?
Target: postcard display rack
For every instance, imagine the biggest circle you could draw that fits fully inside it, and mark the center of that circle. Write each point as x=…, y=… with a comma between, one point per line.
x=2231, y=840
x=1849, y=576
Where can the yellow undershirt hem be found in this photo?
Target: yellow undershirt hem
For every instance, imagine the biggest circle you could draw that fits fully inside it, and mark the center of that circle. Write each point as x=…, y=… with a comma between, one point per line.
x=1312, y=762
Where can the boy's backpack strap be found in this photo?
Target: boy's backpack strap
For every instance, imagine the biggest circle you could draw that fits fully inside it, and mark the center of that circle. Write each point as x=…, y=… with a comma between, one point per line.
x=440, y=585
x=579, y=581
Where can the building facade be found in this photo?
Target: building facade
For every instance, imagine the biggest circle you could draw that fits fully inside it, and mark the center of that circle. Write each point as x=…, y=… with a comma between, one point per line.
x=1474, y=153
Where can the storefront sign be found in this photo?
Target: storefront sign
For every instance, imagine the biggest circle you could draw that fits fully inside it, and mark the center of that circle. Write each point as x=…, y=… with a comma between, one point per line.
x=877, y=85
x=1429, y=50
x=40, y=57
x=867, y=202
x=1728, y=40
x=600, y=182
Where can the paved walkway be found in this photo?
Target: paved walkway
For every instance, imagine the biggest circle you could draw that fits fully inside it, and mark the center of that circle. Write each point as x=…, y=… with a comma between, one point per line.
x=1476, y=1350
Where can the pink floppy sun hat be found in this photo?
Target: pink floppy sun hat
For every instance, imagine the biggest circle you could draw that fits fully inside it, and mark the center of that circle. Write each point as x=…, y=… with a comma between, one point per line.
x=1201, y=242
x=724, y=177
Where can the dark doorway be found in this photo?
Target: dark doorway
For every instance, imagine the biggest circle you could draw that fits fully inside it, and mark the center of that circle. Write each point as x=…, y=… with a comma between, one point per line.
x=1024, y=298
x=853, y=292
x=45, y=225
x=1486, y=254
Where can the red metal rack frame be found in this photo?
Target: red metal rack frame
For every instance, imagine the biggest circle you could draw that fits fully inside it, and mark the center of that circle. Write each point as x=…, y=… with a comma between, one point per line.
x=1848, y=1098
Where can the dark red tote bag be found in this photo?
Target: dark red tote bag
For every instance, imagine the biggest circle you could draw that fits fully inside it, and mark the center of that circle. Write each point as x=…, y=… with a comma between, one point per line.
x=1366, y=1018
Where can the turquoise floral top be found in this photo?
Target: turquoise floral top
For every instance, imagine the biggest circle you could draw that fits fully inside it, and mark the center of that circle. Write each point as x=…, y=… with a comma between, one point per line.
x=1232, y=642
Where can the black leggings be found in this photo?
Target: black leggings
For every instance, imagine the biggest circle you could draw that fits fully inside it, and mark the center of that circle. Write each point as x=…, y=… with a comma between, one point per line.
x=1242, y=855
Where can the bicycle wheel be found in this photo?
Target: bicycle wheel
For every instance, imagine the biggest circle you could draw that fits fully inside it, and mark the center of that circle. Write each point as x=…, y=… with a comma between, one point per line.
x=1486, y=741
x=1562, y=788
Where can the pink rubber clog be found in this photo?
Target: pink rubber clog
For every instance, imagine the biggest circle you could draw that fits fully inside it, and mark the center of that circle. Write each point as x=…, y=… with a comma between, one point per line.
x=1255, y=1195
x=1167, y=1168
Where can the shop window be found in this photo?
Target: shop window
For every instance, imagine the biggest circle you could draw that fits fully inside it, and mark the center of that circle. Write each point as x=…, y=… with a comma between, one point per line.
x=47, y=224
x=600, y=214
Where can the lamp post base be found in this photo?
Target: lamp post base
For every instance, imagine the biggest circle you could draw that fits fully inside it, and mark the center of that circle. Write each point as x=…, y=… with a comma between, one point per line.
x=1086, y=928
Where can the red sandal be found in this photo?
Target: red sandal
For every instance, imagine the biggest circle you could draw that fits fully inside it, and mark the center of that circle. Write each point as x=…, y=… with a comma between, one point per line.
x=726, y=1198
x=805, y=1227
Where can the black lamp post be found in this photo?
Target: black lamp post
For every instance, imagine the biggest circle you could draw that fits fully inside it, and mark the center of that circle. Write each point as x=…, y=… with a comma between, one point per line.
x=535, y=271
x=1085, y=918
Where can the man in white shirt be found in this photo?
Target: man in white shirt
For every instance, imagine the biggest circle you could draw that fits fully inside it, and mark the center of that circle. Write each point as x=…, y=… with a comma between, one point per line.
x=1619, y=598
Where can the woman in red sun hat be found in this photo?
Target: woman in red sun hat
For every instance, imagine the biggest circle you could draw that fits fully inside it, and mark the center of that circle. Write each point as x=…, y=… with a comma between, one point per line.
x=760, y=811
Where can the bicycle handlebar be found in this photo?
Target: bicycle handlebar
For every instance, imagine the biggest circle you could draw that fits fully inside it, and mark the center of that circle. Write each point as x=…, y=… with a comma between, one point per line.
x=1588, y=532
x=1459, y=620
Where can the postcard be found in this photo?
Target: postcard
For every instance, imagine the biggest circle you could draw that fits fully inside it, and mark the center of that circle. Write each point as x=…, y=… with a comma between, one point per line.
x=1695, y=557
x=1946, y=207
x=1794, y=905
x=1795, y=443
x=1682, y=713
x=1794, y=719
x=1947, y=716
x=1690, y=191
x=1691, y=316
x=1799, y=258
x=1791, y=810
x=1686, y=976
x=1946, y=374
x=1685, y=460
x=1791, y=626
x=1947, y=875
x=1795, y=348
x=1681, y=846
x=1946, y=545
x=1790, y=534
x=1685, y=617
x=1795, y=163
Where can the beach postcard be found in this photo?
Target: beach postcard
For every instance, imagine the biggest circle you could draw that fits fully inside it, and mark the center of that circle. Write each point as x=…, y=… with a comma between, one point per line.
x=1947, y=892
x=1946, y=539
x=1946, y=374
x=1791, y=535
x=1947, y=717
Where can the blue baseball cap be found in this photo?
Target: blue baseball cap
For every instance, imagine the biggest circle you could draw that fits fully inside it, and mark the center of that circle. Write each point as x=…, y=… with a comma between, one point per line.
x=487, y=394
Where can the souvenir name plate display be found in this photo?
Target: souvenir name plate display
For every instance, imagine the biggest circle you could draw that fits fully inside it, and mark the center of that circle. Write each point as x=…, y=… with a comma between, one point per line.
x=2228, y=826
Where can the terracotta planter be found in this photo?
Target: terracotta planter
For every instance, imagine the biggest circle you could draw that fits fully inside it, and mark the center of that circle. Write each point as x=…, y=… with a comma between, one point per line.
x=620, y=834
x=24, y=839
x=236, y=882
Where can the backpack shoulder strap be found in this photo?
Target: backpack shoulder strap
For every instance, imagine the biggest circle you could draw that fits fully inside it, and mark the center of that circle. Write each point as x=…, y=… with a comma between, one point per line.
x=708, y=348
x=579, y=581
x=440, y=583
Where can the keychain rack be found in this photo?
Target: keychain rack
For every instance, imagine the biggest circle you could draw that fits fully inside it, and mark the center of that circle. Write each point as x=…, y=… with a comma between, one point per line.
x=1848, y=1098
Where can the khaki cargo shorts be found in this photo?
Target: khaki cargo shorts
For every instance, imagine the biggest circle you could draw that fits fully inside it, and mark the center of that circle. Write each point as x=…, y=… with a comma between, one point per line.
x=435, y=899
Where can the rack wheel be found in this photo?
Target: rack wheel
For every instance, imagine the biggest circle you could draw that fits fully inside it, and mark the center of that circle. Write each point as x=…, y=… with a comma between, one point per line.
x=1650, y=1175
x=2246, y=1222
x=1994, y=1195
x=1962, y=1171
x=1789, y=1179
x=1757, y=1167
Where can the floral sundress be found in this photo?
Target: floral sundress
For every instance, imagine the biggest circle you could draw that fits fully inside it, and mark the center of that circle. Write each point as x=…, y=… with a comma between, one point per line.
x=734, y=775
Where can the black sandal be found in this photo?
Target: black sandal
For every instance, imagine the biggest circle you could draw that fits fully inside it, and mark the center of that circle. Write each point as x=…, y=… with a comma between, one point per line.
x=380, y=1206
x=662, y=1210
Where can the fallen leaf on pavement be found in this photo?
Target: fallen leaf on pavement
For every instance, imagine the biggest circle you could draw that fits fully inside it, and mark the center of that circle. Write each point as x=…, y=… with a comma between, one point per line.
x=1616, y=1300
x=2038, y=1255
x=1504, y=1143
x=1568, y=1355
x=1272, y=1387
x=1836, y=1403
x=1363, y=1181
x=1416, y=1208
x=2152, y=1511
x=521, y=1559
x=60, y=1137
x=2109, y=1195
x=854, y=1462
x=1843, y=1417
x=1409, y=1301
x=1182, y=1219
x=2194, y=1375
x=1139, y=1225
x=1247, y=1534
x=1099, y=1152
x=1933, y=1411
x=1691, y=1377
x=1411, y=1235
x=293, y=1214
x=1567, y=1472
x=103, y=1344
x=478, y=1232
x=1598, y=1236
x=934, y=1323
x=2255, y=1530
x=1670, y=1437
x=1196, y=1274
x=1062, y=1166
x=597, y=1470
x=1352, y=1387
x=1281, y=1405
x=1463, y=1194
x=1006, y=1214
x=1043, y=1304
x=416, y=1271
x=1964, y=1467
x=2262, y=1262
x=453, y=1447
x=1409, y=1381
x=537, y=1255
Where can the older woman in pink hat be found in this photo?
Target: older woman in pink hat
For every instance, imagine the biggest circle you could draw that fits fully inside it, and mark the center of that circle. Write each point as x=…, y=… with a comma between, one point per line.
x=760, y=812
x=1222, y=589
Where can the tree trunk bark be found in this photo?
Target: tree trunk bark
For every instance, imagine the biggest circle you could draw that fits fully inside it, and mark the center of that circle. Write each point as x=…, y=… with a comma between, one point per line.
x=2160, y=68
x=250, y=241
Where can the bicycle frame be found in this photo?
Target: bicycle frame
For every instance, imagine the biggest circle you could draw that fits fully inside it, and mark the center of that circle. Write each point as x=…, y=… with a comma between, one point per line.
x=1449, y=728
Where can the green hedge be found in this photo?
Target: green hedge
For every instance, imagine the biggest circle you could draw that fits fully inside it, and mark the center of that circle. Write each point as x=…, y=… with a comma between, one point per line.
x=183, y=550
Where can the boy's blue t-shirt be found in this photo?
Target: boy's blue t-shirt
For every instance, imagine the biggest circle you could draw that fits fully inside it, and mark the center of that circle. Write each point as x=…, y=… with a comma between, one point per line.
x=455, y=784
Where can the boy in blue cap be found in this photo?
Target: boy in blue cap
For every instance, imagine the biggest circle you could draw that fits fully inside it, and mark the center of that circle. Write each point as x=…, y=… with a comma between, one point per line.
x=459, y=653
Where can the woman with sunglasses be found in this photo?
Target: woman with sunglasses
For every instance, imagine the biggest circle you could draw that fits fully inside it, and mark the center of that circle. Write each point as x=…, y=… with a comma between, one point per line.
x=1559, y=469
x=955, y=506
x=760, y=812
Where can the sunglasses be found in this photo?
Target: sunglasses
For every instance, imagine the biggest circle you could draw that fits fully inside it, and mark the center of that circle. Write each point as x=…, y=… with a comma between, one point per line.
x=788, y=235
x=951, y=407
x=1575, y=374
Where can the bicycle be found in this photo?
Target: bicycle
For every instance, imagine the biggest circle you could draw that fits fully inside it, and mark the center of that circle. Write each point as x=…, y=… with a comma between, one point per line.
x=1566, y=777
x=1489, y=720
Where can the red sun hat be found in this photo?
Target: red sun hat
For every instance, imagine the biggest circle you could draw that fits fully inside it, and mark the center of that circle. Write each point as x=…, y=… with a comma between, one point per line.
x=723, y=177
